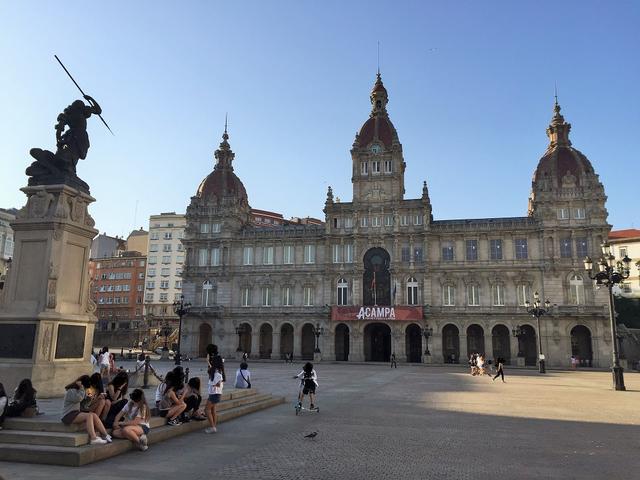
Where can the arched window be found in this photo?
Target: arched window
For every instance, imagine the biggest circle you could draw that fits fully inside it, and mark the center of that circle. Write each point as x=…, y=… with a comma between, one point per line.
x=576, y=290
x=343, y=292
x=412, y=291
x=208, y=294
x=448, y=295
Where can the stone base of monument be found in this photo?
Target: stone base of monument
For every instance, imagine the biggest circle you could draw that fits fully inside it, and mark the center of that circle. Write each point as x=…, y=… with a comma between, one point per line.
x=46, y=314
x=520, y=361
x=317, y=357
x=428, y=359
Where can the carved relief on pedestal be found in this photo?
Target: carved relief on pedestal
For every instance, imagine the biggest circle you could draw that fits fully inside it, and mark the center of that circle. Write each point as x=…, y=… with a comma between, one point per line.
x=38, y=204
x=52, y=287
x=45, y=344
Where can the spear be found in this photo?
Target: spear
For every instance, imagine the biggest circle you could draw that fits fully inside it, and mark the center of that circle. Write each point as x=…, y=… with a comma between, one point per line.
x=83, y=94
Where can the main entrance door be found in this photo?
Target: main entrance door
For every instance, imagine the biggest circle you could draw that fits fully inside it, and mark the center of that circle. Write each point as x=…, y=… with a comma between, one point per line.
x=377, y=342
x=413, y=343
x=342, y=343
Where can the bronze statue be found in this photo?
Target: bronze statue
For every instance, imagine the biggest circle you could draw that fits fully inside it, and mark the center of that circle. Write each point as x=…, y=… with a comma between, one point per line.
x=72, y=145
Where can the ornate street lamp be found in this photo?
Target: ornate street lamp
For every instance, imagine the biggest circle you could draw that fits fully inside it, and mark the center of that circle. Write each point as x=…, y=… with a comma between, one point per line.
x=537, y=311
x=427, y=332
x=181, y=308
x=518, y=332
x=317, y=331
x=611, y=272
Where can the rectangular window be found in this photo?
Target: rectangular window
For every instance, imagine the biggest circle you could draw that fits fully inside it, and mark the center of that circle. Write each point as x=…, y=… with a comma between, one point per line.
x=417, y=219
x=581, y=247
x=164, y=297
x=309, y=254
x=180, y=259
x=523, y=292
x=153, y=236
x=287, y=254
x=180, y=247
x=473, y=295
x=364, y=221
x=348, y=253
x=178, y=284
x=166, y=259
x=563, y=213
x=388, y=166
x=417, y=255
x=151, y=285
x=153, y=259
x=622, y=252
x=287, y=297
x=125, y=299
x=565, y=248
x=151, y=272
x=449, y=295
x=348, y=222
x=375, y=166
x=202, y=257
x=375, y=221
x=246, y=296
x=153, y=247
x=364, y=168
x=165, y=272
x=308, y=296
x=216, y=227
x=388, y=220
x=266, y=296
x=168, y=235
x=404, y=220
x=247, y=256
x=148, y=297
x=495, y=249
x=579, y=213
x=472, y=250
x=118, y=288
x=164, y=284
x=522, y=249
x=336, y=253
x=204, y=228
x=215, y=257
x=267, y=255
x=406, y=254
x=498, y=295
x=166, y=247
x=447, y=252
x=139, y=288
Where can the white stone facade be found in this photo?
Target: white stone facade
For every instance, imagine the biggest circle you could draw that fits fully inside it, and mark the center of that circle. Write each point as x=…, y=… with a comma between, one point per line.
x=265, y=290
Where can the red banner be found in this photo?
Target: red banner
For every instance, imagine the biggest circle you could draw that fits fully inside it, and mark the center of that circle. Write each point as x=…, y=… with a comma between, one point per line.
x=376, y=313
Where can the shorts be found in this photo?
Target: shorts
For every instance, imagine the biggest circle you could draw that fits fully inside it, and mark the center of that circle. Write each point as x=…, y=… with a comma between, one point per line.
x=145, y=429
x=70, y=417
x=215, y=397
x=309, y=387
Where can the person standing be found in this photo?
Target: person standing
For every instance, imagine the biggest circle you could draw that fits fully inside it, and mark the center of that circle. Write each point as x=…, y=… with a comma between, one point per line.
x=500, y=369
x=393, y=361
x=215, y=385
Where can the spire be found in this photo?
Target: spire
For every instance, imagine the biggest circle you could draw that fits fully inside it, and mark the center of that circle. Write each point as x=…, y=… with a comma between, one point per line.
x=224, y=155
x=329, y=196
x=558, y=130
x=379, y=97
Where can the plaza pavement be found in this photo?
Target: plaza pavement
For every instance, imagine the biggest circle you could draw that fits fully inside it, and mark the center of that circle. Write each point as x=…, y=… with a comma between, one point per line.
x=414, y=422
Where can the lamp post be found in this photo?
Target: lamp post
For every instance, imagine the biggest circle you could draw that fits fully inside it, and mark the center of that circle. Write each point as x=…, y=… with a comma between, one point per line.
x=611, y=272
x=537, y=311
x=317, y=331
x=518, y=332
x=427, y=332
x=181, y=308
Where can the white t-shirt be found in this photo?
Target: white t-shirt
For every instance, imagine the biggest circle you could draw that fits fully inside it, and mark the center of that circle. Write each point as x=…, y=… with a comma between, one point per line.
x=241, y=382
x=213, y=389
x=131, y=411
x=104, y=360
x=160, y=391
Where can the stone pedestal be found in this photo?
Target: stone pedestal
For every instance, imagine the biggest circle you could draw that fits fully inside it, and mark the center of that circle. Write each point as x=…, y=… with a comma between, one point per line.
x=317, y=357
x=428, y=359
x=46, y=314
x=520, y=361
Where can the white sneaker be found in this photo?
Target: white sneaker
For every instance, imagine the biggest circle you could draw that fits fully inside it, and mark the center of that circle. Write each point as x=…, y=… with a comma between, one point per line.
x=144, y=441
x=98, y=441
x=210, y=430
x=108, y=439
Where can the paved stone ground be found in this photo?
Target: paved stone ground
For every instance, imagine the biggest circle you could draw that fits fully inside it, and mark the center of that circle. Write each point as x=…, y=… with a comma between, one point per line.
x=415, y=422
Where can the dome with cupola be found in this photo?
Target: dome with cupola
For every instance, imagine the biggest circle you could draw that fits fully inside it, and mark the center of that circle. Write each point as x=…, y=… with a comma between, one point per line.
x=378, y=127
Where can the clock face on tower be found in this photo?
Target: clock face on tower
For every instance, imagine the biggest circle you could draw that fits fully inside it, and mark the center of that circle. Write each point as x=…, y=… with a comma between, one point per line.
x=376, y=149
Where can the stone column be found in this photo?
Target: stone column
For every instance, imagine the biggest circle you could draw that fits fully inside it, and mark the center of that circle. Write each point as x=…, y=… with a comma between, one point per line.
x=513, y=345
x=435, y=347
x=46, y=314
x=464, y=354
x=275, y=345
x=297, y=343
x=356, y=347
x=255, y=344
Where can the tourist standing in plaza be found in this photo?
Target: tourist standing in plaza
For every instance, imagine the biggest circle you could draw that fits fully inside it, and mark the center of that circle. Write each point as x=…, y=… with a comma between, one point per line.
x=308, y=384
x=71, y=414
x=104, y=363
x=215, y=386
x=132, y=421
x=243, y=376
x=393, y=361
x=500, y=369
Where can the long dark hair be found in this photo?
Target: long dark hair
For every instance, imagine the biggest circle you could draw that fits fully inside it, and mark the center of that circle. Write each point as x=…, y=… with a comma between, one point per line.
x=217, y=364
x=137, y=396
x=84, y=380
x=178, y=377
x=121, y=378
x=96, y=382
x=25, y=391
x=308, y=367
x=194, y=383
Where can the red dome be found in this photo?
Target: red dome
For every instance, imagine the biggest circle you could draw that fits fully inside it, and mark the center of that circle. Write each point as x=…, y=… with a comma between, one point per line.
x=376, y=127
x=222, y=183
x=561, y=161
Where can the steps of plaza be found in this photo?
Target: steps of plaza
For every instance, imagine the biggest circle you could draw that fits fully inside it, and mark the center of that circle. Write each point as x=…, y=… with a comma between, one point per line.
x=45, y=439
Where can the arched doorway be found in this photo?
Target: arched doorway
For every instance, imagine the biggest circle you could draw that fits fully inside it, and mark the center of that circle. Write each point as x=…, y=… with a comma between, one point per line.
x=286, y=340
x=245, y=338
x=376, y=280
x=527, y=345
x=501, y=343
x=308, y=342
x=451, y=344
x=475, y=339
x=413, y=343
x=266, y=340
x=205, y=337
x=342, y=343
x=377, y=342
x=581, y=345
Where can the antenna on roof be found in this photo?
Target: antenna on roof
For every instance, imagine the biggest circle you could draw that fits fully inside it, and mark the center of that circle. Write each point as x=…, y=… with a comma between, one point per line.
x=225, y=121
x=378, y=57
x=555, y=84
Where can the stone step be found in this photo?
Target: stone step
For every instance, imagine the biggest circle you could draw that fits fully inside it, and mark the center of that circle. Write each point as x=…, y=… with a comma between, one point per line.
x=52, y=423
x=57, y=439
x=82, y=455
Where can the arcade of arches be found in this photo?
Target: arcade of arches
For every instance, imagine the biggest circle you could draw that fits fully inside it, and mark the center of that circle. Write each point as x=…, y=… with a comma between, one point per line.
x=376, y=341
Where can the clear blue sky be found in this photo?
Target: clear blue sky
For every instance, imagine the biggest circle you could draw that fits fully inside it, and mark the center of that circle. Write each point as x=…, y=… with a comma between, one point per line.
x=470, y=85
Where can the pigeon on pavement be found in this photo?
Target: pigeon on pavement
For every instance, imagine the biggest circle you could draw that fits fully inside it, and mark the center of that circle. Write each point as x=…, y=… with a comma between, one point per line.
x=311, y=435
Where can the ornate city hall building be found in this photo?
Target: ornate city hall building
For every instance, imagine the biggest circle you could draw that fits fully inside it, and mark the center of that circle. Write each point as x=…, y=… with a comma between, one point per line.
x=381, y=276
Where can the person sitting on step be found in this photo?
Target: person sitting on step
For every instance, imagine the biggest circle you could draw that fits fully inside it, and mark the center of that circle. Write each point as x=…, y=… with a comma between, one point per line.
x=71, y=414
x=243, y=376
x=192, y=398
x=96, y=399
x=170, y=405
x=133, y=420
x=24, y=400
x=117, y=395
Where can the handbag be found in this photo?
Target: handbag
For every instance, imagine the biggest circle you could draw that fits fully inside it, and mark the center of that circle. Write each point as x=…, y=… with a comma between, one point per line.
x=247, y=381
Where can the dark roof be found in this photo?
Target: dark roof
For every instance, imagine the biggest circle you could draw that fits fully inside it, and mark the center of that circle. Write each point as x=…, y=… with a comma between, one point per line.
x=376, y=127
x=222, y=182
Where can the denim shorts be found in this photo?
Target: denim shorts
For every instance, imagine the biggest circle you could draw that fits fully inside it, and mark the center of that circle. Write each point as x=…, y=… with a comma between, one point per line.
x=145, y=429
x=215, y=398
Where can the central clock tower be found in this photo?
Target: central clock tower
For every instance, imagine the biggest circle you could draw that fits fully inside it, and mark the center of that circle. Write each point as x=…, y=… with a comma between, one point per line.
x=378, y=164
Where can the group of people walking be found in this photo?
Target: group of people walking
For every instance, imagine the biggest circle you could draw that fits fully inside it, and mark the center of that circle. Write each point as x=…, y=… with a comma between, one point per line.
x=479, y=366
